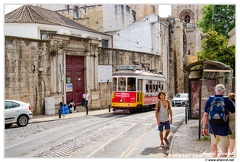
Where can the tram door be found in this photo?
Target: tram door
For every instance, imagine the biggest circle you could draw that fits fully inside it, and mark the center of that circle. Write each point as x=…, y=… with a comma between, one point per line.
x=139, y=91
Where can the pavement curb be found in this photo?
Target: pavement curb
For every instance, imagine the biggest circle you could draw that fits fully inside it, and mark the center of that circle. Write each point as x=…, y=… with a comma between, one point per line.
x=46, y=118
x=171, y=139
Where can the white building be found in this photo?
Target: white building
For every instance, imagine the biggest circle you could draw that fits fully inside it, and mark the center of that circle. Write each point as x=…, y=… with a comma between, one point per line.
x=148, y=35
x=39, y=21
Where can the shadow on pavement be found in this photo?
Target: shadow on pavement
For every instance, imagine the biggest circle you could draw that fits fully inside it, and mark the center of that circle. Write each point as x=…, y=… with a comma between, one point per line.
x=155, y=150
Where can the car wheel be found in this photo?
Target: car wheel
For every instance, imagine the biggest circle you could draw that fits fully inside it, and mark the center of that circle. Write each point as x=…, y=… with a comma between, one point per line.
x=22, y=120
x=8, y=125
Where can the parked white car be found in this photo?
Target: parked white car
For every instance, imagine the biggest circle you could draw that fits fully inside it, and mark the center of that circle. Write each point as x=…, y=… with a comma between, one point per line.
x=180, y=99
x=17, y=112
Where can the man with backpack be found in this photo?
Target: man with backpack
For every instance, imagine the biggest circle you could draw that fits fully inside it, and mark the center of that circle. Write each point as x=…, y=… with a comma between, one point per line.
x=163, y=111
x=216, y=115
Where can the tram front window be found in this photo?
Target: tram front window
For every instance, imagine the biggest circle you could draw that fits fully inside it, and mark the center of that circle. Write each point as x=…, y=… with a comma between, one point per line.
x=121, y=84
x=114, y=84
x=131, y=84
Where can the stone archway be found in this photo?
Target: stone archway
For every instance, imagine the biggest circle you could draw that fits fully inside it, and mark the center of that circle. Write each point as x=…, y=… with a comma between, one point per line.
x=187, y=16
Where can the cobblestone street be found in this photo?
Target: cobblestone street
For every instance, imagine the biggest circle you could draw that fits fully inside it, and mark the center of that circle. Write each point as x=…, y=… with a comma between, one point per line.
x=104, y=135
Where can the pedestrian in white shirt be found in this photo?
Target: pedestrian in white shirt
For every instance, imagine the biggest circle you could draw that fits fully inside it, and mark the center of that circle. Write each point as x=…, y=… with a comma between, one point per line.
x=86, y=96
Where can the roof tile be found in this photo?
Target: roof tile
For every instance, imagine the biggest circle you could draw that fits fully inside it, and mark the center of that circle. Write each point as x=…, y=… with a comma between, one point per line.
x=34, y=14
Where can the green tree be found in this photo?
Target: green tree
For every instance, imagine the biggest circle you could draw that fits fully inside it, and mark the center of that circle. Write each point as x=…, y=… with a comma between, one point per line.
x=215, y=47
x=221, y=16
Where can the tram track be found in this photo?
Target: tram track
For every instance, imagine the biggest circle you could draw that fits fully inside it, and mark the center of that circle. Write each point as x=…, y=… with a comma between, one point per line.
x=55, y=142
x=137, y=141
x=49, y=142
x=106, y=135
x=81, y=147
x=137, y=145
x=124, y=133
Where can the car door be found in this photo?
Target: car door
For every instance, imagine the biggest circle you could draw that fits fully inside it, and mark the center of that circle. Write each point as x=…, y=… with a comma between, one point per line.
x=12, y=110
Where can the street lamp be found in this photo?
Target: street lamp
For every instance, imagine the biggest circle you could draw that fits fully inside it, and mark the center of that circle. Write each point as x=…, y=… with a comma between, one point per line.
x=218, y=17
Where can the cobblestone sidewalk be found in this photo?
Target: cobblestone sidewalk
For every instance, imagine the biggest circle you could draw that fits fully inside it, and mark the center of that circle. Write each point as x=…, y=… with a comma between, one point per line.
x=185, y=142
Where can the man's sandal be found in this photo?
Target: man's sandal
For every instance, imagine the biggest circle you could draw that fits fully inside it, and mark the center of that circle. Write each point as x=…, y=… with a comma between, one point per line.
x=165, y=139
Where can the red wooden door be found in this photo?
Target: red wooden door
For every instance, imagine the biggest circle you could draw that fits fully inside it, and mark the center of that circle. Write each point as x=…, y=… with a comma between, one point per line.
x=75, y=77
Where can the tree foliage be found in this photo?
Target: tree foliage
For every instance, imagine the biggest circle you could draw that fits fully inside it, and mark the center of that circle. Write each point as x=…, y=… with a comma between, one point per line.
x=223, y=19
x=215, y=38
x=215, y=47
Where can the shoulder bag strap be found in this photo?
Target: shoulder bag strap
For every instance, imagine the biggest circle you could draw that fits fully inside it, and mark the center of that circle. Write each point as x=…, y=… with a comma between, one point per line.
x=159, y=105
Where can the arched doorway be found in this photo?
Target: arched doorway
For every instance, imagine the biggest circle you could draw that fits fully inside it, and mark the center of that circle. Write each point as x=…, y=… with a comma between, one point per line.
x=187, y=16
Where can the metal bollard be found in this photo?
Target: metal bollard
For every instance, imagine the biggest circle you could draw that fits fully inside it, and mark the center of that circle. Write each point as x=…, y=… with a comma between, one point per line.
x=59, y=112
x=186, y=114
x=86, y=110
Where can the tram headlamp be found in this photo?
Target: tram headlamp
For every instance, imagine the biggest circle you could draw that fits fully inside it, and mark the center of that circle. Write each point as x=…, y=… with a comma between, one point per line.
x=121, y=100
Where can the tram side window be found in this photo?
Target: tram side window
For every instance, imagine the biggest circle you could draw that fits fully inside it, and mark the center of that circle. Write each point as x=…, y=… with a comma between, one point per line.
x=154, y=86
x=121, y=84
x=150, y=88
x=114, y=84
x=147, y=88
x=148, y=85
x=131, y=84
x=160, y=86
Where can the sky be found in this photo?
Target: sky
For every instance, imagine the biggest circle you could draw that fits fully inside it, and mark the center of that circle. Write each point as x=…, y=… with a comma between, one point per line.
x=9, y=8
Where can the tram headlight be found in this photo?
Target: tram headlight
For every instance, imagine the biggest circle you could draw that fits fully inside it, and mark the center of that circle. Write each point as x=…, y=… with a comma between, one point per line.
x=121, y=100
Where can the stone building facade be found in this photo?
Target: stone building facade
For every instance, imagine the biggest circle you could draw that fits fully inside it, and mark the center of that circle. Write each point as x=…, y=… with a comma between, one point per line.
x=190, y=15
x=34, y=71
x=67, y=58
x=104, y=18
x=27, y=71
x=185, y=41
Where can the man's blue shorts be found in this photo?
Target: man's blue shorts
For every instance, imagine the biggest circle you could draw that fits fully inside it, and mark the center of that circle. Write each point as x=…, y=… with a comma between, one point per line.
x=162, y=124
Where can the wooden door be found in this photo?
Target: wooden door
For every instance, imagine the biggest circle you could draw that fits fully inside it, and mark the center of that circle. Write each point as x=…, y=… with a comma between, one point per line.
x=75, y=78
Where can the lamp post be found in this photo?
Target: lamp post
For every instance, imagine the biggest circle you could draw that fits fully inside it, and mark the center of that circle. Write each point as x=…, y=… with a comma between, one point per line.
x=213, y=27
x=218, y=17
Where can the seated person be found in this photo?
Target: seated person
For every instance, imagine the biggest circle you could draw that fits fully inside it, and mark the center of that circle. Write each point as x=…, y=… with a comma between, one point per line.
x=71, y=104
x=64, y=109
x=131, y=88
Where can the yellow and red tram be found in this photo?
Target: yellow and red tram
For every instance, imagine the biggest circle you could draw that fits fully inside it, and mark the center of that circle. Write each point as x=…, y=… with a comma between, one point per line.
x=134, y=88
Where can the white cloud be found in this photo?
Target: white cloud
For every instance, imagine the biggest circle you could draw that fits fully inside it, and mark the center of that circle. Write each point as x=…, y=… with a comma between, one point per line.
x=9, y=8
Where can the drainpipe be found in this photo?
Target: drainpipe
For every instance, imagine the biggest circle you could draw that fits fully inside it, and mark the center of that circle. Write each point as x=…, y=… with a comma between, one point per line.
x=112, y=40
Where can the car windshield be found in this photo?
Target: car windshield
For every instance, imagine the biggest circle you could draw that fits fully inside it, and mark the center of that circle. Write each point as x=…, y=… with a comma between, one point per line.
x=184, y=95
x=177, y=95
